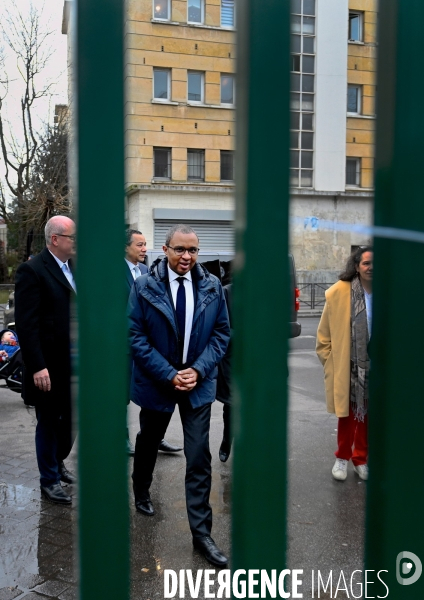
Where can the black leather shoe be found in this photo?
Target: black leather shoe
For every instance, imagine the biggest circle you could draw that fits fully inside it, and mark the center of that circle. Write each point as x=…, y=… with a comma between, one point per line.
x=55, y=493
x=65, y=475
x=145, y=507
x=165, y=446
x=210, y=551
x=224, y=451
x=130, y=448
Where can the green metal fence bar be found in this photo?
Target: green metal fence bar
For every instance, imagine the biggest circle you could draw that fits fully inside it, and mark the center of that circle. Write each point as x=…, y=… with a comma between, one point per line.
x=103, y=492
x=261, y=287
x=395, y=515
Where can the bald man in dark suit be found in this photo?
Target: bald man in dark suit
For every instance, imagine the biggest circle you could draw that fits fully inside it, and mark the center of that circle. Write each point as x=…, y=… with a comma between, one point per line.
x=44, y=291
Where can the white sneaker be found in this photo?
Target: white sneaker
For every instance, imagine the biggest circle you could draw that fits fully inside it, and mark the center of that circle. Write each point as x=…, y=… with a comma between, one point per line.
x=339, y=470
x=362, y=471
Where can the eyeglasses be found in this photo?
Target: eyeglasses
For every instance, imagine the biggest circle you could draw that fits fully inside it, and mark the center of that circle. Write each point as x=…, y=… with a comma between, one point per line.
x=180, y=250
x=71, y=237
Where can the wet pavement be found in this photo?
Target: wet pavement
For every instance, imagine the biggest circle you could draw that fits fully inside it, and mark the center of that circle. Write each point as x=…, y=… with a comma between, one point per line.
x=325, y=517
x=325, y=520
x=37, y=538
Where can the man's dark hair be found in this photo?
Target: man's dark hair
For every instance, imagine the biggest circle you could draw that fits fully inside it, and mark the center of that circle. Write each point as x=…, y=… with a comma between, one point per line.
x=353, y=261
x=181, y=229
x=128, y=235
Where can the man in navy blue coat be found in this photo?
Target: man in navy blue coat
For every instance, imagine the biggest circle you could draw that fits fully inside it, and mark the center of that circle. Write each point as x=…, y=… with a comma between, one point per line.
x=179, y=332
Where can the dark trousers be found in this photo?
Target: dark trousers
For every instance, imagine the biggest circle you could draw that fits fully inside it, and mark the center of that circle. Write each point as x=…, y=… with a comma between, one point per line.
x=53, y=441
x=226, y=415
x=196, y=422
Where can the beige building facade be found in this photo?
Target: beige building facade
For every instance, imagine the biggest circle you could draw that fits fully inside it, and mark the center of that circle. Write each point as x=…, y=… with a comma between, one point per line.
x=180, y=118
x=332, y=137
x=180, y=124
x=362, y=45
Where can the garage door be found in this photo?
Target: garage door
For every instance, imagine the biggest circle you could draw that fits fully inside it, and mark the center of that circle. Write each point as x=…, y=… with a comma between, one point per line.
x=213, y=235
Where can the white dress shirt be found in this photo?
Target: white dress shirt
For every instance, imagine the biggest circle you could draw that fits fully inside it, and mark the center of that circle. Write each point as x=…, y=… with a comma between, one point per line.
x=64, y=267
x=135, y=269
x=188, y=286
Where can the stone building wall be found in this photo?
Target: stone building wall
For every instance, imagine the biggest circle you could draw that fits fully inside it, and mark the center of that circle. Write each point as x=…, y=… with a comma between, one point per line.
x=361, y=70
x=177, y=124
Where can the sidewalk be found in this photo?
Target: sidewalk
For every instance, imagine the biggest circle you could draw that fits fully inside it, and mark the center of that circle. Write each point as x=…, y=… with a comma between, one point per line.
x=325, y=517
x=37, y=547
x=36, y=541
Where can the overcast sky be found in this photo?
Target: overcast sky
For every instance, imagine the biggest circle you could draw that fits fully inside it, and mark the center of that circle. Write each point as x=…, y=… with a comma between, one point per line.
x=56, y=70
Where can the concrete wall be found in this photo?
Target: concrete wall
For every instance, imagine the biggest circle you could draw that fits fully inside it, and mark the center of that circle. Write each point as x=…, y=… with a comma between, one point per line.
x=315, y=245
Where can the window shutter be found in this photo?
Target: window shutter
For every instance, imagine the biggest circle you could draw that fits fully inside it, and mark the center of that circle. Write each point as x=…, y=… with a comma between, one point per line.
x=227, y=13
x=216, y=236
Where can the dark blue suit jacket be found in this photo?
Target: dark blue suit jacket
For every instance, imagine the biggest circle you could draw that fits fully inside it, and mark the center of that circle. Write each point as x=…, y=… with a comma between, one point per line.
x=129, y=277
x=155, y=343
x=130, y=283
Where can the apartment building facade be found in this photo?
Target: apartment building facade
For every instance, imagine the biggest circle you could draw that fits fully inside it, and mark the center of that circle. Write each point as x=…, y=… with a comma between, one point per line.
x=180, y=123
x=332, y=131
x=180, y=118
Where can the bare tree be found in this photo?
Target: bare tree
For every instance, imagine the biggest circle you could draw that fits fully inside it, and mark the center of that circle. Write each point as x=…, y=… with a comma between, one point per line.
x=48, y=192
x=24, y=37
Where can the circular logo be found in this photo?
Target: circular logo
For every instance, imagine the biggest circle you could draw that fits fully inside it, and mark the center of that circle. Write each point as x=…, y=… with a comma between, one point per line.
x=408, y=568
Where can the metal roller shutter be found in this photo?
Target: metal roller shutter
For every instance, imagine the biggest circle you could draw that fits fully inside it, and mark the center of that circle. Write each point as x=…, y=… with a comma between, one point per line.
x=213, y=235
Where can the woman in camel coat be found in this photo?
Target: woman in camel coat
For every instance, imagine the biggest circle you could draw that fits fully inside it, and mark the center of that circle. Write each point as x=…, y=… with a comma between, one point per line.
x=342, y=340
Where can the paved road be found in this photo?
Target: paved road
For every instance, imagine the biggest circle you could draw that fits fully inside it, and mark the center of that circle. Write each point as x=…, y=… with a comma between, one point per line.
x=325, y=520
x=326, y=517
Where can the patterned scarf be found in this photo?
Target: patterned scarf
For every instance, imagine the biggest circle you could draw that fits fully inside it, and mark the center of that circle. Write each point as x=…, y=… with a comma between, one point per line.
x=359, y=361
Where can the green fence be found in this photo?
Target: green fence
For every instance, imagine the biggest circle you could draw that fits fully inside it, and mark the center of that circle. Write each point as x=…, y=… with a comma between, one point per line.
x=395, y=515
x=103, y=508
x=395, y=500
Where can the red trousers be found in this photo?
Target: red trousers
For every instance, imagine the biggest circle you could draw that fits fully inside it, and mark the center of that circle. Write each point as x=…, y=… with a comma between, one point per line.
x=352, y=439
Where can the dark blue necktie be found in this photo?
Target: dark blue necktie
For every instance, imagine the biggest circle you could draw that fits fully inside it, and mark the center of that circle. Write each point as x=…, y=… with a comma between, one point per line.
x=180, y=310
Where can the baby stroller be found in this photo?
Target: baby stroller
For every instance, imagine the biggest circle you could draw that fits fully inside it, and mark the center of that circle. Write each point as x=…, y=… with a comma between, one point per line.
x=11, y=368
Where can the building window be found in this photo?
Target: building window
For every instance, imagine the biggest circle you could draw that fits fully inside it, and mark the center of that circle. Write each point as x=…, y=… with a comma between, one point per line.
x=161, y=9
x=195, y=11
x=227, y=89
x=162, y=163
x=353, y=171
x=302, y=97
x=161, y=79
x=355, y=27
x=196, y=165
x=228, y=15
x=354, y=99
x=295, y=63
x=227, y=165
x=195, y=87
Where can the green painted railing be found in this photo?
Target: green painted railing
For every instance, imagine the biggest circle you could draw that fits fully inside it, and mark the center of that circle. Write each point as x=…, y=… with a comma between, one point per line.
x=395, y=508
x=395, y=500
x=261, y=288
x=103, y=510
